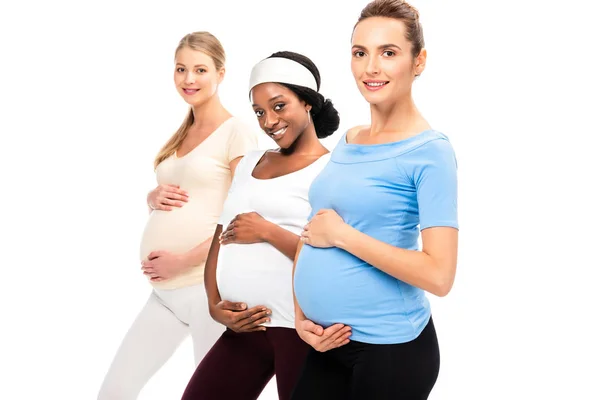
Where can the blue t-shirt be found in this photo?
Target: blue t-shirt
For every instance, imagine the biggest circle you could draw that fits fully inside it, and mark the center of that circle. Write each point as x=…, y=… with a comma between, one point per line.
x=388, y=191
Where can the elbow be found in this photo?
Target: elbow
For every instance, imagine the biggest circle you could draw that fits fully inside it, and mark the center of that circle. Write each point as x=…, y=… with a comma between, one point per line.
x=441, y=290
x=442, y=286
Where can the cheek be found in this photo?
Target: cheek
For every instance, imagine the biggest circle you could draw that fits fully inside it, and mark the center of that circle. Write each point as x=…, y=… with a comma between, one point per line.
x=356, y=68
x=177, y=78
x=400, y=69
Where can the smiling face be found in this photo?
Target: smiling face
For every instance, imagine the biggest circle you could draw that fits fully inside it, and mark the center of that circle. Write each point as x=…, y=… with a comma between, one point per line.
x=281, y=114
x=196, y=77
x=382, y=61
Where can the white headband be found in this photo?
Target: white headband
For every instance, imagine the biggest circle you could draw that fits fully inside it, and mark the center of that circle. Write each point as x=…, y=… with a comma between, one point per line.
x=282, y=70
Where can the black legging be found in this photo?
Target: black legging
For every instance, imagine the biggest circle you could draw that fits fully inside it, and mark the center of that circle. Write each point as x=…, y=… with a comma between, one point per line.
x=362, y=371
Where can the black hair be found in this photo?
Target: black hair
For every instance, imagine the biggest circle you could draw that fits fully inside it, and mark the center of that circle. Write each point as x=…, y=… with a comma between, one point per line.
x=324, y=116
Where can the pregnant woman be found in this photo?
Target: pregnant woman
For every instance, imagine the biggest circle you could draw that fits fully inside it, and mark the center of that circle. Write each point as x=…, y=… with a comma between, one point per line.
x=194, y=171
x=257, y=236
x=360, y=267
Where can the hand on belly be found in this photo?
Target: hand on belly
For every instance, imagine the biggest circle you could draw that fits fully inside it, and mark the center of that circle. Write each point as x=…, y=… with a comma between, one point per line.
x=161, y=265
x=237, y=317
x=323, y=339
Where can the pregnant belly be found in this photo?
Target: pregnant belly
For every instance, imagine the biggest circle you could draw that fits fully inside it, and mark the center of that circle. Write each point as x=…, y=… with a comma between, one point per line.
x=176, y=231
x=256, y=274
x=332, y=286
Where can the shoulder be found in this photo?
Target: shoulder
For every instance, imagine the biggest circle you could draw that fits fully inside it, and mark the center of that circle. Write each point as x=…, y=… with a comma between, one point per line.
x=352, y=132
x=432, y=144
x=238, y=125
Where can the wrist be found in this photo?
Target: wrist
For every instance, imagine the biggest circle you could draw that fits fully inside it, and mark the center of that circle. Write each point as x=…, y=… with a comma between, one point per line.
x=342, y=236
x=149, y=202
x=266, y=231
x=186, y=260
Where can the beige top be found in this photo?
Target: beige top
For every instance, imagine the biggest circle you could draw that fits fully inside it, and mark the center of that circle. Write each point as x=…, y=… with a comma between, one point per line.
x=205, y=174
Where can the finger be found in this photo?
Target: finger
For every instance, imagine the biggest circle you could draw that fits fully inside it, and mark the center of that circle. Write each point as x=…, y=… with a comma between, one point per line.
x=310, y=326
x=163, y=207
x=338, y=336
x=168, y=188
x=228, y=230
x=233, y=306
x=174, y=203
x=333, y=329
x=155, y=254
x=176, y=196
x=253, y=324
x=244, y=315
x=252, y=329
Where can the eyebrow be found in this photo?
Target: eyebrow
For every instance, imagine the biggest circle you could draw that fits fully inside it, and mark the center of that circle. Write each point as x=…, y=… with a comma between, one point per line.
x=270, y=100
x=383, y=46
x=195, y=66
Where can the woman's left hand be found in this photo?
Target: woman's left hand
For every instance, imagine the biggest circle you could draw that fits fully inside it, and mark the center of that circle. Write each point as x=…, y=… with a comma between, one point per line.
x=324, y=229
x=161, y=265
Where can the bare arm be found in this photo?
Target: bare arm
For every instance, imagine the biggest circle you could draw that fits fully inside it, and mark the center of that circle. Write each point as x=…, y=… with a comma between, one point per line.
x=210, y=269
x=433, y=269
x=282, y=239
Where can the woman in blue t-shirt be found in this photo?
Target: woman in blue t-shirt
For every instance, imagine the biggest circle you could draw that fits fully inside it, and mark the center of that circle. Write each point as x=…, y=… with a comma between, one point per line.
x=360, y=278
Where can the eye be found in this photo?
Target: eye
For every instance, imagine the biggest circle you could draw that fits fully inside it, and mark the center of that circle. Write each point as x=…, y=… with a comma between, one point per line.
x=180, y=69
x=200, y=70
x=279, y=106
x=389, y=53
x=359, y=53
x=258, y=113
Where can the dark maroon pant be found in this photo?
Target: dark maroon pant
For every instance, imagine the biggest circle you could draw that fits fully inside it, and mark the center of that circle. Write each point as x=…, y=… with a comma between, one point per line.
x=239, y=365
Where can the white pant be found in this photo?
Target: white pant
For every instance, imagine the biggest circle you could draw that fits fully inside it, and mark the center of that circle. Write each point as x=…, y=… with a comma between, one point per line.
x=162, y=325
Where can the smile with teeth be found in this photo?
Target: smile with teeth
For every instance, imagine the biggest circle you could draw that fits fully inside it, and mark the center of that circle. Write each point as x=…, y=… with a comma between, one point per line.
x=375, y=85
x=279, y=133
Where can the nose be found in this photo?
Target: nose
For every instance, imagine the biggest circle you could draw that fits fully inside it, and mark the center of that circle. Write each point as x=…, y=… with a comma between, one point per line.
x=190, y=78
x=271, y=120
x=373, y=67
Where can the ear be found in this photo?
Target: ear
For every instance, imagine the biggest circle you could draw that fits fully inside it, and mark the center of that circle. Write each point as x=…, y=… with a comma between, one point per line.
x=221, y=75
x=307, y=106
x=420, y=62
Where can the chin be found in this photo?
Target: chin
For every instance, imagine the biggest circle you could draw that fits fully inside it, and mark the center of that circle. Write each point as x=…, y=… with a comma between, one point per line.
x=287, y=146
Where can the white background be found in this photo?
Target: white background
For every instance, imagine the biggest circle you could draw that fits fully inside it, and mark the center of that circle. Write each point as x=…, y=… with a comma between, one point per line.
x=87, y=100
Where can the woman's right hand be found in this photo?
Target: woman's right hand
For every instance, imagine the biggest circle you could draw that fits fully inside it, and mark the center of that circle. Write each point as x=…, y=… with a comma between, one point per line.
x=238, y=318
x=323, y=339
x=165, y=197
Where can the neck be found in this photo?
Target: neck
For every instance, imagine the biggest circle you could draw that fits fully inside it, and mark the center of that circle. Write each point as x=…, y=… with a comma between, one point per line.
x=209, y=114
x=400, y=117
x=307, y=144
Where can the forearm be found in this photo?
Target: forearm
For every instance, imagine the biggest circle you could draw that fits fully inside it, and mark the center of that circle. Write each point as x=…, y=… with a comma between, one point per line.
x=282, y=239
x=299, y=314
x=210, y=269
x=198, y=254
x=417, y=268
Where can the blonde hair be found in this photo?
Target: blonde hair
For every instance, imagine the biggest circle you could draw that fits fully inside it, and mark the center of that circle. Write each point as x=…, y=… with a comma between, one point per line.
x=210, y=45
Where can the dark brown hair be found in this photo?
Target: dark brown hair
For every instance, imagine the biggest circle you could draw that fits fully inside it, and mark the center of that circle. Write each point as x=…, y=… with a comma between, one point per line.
x=398, y=9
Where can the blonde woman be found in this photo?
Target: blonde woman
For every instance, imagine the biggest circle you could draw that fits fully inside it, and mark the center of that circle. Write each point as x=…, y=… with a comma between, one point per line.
x=194, y=171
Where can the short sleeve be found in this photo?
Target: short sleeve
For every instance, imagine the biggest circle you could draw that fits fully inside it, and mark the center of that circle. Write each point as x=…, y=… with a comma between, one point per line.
x=242, y=139
x=435, y=178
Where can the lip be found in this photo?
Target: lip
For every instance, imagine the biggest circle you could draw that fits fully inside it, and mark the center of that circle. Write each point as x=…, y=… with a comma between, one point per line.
x=278, y=134
x=375, y=85
x=190, y=91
